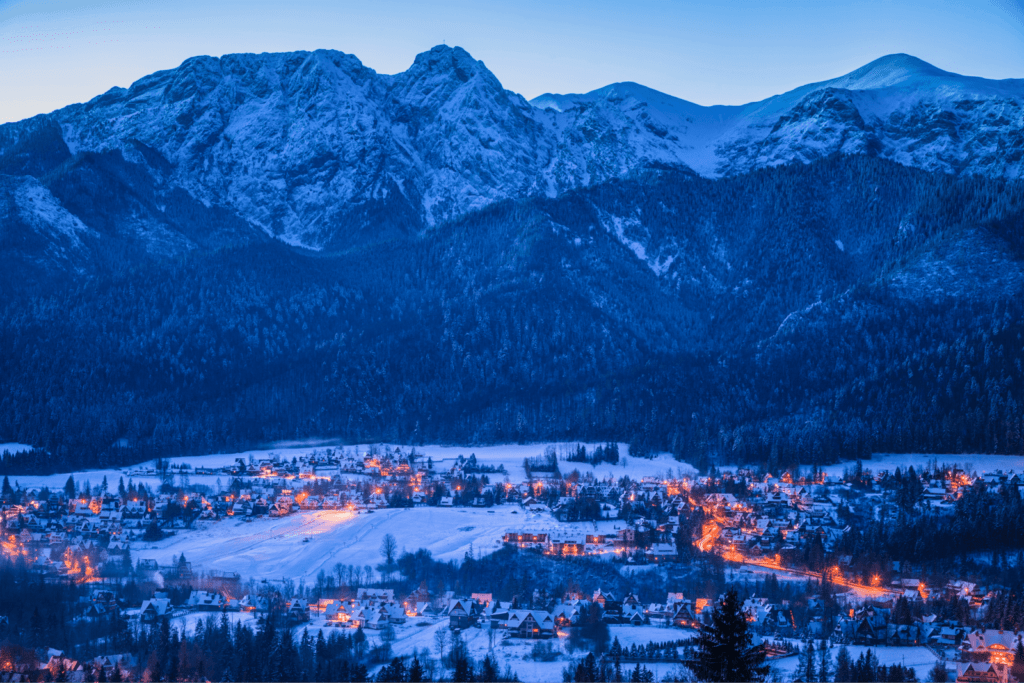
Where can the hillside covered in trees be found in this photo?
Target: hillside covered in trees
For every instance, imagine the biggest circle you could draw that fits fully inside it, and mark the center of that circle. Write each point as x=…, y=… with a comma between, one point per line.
x=802, y=313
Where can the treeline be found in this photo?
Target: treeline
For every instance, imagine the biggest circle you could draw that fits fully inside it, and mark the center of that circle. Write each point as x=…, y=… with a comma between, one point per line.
x=608, y=453
x=984, y=519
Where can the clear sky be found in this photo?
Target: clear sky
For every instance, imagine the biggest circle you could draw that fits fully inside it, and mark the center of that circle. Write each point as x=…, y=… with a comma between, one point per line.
x=56, y=52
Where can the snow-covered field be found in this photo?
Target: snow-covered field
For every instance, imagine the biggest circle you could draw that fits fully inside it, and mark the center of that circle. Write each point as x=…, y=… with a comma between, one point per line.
x=417, y=635
x=274, y=548
x=971, y=462
x=187, y=622
x=921, y=658
x=95, y=478
x=14, y=447
x=511, y=456
x=981, y=464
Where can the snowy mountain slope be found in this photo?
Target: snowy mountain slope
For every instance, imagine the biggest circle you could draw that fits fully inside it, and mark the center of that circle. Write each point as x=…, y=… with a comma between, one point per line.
x=302, y=143
x=897, y=107
x=35, y=228
x=319, y=151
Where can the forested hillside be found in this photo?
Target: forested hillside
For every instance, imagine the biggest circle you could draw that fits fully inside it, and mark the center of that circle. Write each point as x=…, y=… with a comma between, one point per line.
x=805, y=312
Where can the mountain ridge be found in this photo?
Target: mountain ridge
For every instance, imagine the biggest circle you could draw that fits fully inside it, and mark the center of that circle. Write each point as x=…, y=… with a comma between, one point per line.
x=320, y=151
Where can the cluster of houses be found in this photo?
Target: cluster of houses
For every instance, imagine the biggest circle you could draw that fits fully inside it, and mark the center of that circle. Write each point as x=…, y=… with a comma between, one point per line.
x=57, y=666
x=377, y=608
x=296, y=610
x=630, y=541
x=780, y=517
x=746, y=516
x=80, y=539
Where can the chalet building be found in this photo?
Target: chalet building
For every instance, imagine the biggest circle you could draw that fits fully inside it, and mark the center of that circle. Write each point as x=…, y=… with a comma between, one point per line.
x=154, y=609
x=254, y=603
x=205, y=601
x=531, y=624
x=463, y=614
x=526, y=540
x=297, y=611
x=633, y=615
x=662, y=552
x=979, y=672
x=991, y=645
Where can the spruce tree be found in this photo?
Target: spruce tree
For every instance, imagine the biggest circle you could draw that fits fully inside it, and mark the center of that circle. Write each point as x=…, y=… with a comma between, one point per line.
x=415, y=671
x=824, y=661
x=1017, y=670
x=725, y=650
x=844, y=667
x=807, y=669
x=938, y=673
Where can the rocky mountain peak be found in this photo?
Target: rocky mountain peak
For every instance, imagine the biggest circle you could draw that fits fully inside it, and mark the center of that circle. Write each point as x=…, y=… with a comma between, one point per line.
x=314, y=147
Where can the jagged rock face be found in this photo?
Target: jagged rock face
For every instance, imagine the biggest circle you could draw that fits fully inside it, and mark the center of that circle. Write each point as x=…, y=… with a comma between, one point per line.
x=304, y=145
x=319, y=151
x=897, y=107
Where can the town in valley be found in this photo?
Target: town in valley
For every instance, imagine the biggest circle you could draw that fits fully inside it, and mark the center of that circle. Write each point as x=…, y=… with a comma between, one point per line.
x=642, y=558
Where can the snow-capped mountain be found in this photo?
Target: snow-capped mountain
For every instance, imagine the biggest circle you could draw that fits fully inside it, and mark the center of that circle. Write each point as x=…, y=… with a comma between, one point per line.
x=897, y=107
x=320, y=151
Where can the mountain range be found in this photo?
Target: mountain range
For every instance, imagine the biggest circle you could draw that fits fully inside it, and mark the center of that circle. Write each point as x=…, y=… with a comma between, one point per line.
x=285, y=245
x=320, y=151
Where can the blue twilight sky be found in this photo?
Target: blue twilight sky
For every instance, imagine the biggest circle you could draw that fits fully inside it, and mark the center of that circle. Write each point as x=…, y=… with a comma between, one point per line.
x=55, y=52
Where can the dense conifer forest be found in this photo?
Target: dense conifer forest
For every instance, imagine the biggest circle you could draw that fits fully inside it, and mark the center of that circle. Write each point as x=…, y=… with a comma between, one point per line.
x=809, y=313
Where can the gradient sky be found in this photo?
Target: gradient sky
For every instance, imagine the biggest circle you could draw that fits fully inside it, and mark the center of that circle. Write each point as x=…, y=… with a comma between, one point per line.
x=57, y=52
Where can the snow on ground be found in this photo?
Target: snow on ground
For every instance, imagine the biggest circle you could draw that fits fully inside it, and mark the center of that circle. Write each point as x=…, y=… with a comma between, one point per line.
x=890, y=461
x=511, y=456
x=641, y=635
x=274, y=548
x=14, y=447
x=921, y=658
x=95, y=477
x=187, y=622
x=418, y=635
x=976, y=462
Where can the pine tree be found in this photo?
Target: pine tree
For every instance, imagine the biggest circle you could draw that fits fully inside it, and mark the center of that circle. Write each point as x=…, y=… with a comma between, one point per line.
x=415, y=671
x=488, y=669
x=807, y=669
x=824, y=662
x=724, y=647
x=462, y=669
x=844, y=667
x=939, y=673
x=1017, y=670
